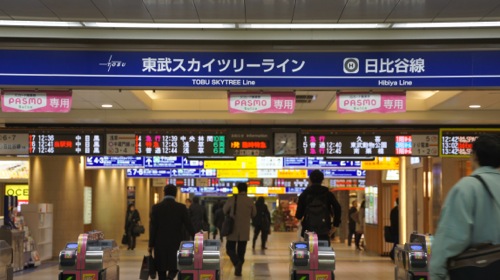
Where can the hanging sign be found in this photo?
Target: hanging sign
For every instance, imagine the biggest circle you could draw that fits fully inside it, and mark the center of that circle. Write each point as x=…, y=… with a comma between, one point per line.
x=371, y=102
x=261, y=103
x=36, y=101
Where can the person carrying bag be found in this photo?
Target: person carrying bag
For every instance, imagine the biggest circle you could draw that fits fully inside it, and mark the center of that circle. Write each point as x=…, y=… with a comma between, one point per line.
x=228, y=224
x=470, y=219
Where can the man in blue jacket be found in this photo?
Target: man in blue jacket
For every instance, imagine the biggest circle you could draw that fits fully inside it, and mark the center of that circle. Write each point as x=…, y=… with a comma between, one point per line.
x=469, y=215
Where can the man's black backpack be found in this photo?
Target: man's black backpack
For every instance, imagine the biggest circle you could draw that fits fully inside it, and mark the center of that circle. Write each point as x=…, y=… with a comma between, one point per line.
x=317, y=214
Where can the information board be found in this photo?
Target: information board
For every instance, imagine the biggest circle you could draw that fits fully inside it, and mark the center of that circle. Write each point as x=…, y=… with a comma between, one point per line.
x=180, y=144
x=243, y=143
x=120, y=144
x=457, y=142
x=341, y=145
x=66, y=144
x=14, y=143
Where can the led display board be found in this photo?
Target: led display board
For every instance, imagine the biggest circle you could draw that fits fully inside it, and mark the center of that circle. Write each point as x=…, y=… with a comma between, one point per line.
x=383, y=143
x=249, y=143
x=457, y=142
x=66, y=144
x=183, y=143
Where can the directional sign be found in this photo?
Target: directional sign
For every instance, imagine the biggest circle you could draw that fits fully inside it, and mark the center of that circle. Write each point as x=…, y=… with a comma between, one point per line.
x=113, y=162
x=321, y=162
x=295, y=162
x=163, y=162
x=334, y=173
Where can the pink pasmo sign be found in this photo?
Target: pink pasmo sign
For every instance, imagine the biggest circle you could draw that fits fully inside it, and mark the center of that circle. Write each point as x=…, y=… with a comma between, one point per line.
x=261, y=103
x=371, y=102
x=36, y=101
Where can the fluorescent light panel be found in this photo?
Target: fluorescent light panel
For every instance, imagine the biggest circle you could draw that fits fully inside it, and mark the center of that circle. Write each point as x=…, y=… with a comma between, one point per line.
x=313, y=26
x=276, y=26
x=40, y=23
x=160, y=25
x=447, y=24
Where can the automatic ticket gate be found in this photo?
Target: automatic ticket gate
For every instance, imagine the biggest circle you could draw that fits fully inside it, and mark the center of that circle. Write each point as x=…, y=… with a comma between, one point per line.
x=413, y=257
x=90, y=258
x=312, y=259
x=199, y=259
x=6, y=257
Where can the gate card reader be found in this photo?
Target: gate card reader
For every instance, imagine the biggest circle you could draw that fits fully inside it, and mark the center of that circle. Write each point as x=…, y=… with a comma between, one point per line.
x=89, y=258
x=312, y=259
x=199, y=259
x=411, y=259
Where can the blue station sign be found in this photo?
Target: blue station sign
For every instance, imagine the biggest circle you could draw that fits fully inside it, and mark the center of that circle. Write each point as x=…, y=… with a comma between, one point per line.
x=72, y=68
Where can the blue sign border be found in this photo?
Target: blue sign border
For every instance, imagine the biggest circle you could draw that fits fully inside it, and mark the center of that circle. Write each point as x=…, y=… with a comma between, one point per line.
x=74, y=68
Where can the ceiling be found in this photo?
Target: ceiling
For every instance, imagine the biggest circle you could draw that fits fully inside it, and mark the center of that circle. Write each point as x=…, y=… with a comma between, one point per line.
x=169, y=107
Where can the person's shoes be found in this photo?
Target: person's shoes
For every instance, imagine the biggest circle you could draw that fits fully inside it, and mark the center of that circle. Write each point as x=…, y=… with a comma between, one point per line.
x=263, y=247
x=237, y=269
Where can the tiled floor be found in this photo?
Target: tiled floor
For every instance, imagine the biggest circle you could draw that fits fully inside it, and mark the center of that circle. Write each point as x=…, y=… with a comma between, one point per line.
x=259, y=265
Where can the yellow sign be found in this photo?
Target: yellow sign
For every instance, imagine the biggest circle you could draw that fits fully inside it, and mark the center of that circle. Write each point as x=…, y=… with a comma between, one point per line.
x=381, y=163
x=239, y=163
x=276, y=190
x=292, y=173
x=21, y=191
x=238, y=173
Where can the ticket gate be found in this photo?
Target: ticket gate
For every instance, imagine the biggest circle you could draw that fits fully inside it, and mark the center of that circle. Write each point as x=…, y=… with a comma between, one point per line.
x=412, y=258
x=199, y=259
x=6, y=256
x=89, y=258
x=312, y=259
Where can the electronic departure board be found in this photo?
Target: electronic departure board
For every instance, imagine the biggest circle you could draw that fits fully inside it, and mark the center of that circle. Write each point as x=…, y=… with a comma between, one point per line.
x=457, y=142
x=66, y=144
x=180, y=144
x=342, y=145
x=247, y=143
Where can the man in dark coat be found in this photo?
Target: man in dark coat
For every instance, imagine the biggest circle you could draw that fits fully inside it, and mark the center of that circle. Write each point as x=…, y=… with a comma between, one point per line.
x=317, y=190
x=165, y=232
x=352, y=222
x=198, y=215
x=395, y=227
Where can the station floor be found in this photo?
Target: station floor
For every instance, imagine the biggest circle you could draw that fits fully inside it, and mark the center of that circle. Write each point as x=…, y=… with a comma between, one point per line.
x=259, y=264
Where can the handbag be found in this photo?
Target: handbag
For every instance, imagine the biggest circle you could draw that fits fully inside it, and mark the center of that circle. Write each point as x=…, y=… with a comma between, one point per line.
x=125, y=239
x=388, y=234
x=148, y=268
x=228, y=224
x=138, y=229
x=478, y=262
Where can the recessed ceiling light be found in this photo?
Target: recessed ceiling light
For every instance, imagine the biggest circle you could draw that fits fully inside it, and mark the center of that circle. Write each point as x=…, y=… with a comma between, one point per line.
x=107, y=106
x=474, y=106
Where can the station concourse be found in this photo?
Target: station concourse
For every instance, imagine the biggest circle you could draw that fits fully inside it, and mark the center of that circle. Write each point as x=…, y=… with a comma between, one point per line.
x=132, y=67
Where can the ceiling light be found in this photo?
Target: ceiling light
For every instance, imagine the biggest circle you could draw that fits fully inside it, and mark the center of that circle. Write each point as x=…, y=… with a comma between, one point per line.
x=447, y=24
x=107, y=106
x=160, y=25
x=40, y=23
x=313, y=26
x=474, y=106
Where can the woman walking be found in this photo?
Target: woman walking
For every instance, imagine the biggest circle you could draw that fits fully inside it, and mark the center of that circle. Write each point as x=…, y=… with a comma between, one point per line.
x=261, y=223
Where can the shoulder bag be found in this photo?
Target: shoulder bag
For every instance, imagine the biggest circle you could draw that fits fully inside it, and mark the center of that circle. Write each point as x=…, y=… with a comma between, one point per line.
x=478, y=262
x=228, y=224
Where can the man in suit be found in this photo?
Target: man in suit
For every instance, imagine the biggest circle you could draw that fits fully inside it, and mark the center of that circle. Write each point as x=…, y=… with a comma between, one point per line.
x=237, y=241
x=168, y=218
